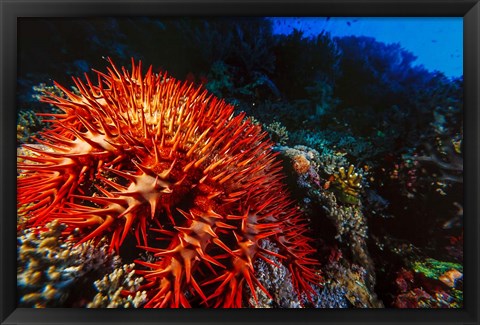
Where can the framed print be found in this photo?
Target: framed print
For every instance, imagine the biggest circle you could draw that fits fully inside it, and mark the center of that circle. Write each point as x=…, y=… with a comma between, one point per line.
x=264, y=161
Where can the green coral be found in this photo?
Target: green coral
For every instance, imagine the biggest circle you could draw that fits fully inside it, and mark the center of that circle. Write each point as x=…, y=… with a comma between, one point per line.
x=433, y=269
x=457, y=296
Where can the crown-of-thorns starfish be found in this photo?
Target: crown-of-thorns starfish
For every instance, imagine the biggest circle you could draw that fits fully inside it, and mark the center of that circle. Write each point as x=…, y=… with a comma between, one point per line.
x=197, y=186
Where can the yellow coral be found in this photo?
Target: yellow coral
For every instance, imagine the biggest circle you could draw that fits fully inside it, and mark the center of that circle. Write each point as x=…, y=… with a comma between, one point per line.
x=348, y=185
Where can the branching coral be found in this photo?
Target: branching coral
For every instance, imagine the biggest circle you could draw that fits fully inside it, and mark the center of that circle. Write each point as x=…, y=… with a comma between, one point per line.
x=278, y=132
x=348, y=185
x=111, y=287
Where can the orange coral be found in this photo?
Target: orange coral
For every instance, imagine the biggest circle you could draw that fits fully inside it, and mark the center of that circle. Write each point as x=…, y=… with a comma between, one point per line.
x=301, y=164
x=197, y=186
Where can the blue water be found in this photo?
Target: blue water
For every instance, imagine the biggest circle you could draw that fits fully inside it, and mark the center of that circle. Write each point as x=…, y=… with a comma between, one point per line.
x=436, y=41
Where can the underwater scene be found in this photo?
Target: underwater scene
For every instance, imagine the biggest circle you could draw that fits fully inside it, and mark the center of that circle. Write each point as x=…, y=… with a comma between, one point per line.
x=260, y=162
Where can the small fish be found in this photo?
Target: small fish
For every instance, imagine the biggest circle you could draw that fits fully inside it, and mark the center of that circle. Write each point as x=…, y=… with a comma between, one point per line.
x=327, y=184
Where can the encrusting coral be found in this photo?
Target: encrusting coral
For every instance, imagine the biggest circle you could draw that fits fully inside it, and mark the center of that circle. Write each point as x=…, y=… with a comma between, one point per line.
x=198, y=187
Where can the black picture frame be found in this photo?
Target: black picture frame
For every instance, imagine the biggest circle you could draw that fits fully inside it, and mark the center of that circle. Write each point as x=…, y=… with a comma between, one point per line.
x=11, y=10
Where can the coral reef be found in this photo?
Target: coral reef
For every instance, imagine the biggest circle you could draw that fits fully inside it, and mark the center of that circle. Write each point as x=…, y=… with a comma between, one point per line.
x=434, y=269
x=144, y=154
x=352, y=228
x=430, y=284
x=354, y=281
x=27, y=124
x=112, y=286
x=278, y=132
x=210, y=211
x=48, y=267
x=276, y=279
x=348, y=220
